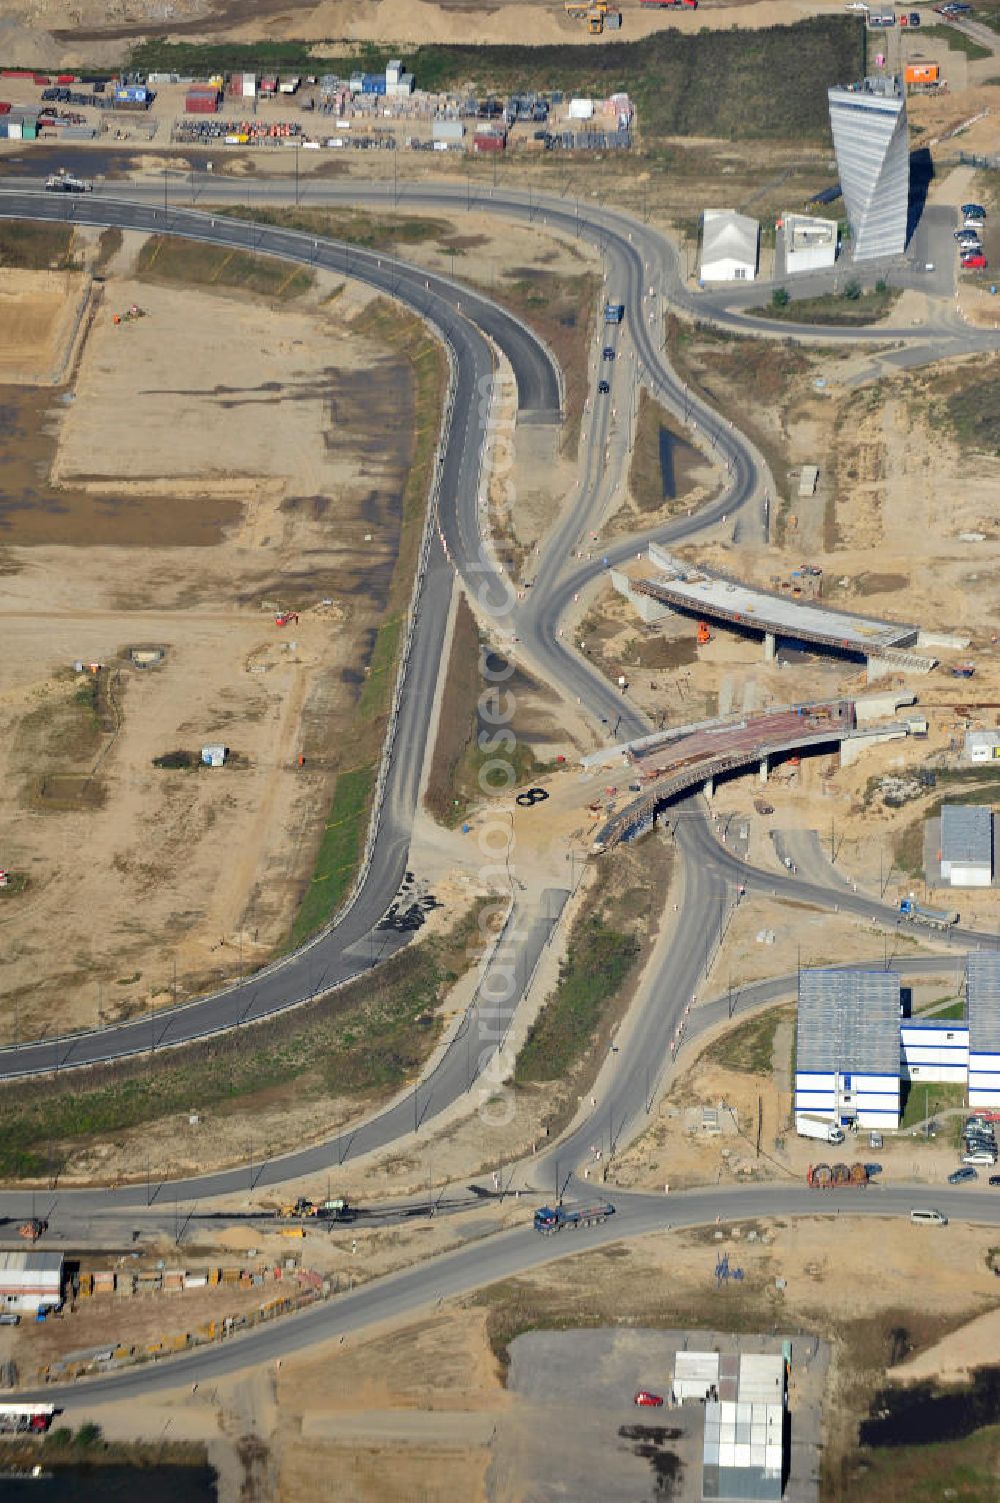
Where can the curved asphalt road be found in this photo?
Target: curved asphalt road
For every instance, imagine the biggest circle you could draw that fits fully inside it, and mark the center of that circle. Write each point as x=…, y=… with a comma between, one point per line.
x=504, y=1256
x=344, y=951
x=640, y=1214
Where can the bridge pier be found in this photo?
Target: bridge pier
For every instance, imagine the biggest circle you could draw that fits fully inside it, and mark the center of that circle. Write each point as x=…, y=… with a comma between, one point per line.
x=708, y=788
x=765, y=768
x=770, y=646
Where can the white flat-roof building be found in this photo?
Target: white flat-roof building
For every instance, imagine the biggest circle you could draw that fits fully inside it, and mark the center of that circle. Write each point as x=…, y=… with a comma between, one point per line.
x=967, y=845
x=729, y=245
x=744, y=1450
x=696, y=1375
x=932, y=1050
x=745, y=1445
x=982, y=746
x=959, y=1051
x=30, y=1280
x=870, y=137
x=810, y=244
x=848, y=1053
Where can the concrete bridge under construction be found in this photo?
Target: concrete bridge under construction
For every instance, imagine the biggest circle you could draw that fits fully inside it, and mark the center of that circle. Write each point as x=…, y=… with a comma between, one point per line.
x=670, y=763
x=660, y=584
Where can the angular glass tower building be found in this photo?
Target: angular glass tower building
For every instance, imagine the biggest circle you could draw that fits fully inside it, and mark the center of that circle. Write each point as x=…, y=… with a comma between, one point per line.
x=873, y=154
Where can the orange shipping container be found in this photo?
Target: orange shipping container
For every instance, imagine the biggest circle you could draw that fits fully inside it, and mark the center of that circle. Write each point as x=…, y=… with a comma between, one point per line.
x=922, y=72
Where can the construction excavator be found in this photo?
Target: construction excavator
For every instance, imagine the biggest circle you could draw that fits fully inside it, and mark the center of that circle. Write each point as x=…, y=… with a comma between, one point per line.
x=704, y=635
x=593, y=12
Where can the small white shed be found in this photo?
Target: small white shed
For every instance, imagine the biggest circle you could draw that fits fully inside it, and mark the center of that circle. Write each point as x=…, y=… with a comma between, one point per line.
x=729, y=246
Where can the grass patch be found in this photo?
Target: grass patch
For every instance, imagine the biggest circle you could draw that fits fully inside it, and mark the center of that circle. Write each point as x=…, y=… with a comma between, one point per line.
x=164, y=258
x=33, y=246
x=343, y=838
x=749, y=1048
x=756, y=373
x=908, y=848
x=372, y=1035
x=354, y=226
x=923, y=1101
x=653, y=476
x=339, y=853
x=834, y=308
x=989, y=15
x=957, y=40
x=972, y=412
x=964, y=1471
x=954, y=1009
x=708, y=83
x=612, y=930
x=453, y=785
x=597, y=962
x=377, y=691
x=964, y=776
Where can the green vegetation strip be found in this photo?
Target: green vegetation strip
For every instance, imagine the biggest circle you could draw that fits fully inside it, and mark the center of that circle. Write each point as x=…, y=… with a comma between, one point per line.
x=339, y=853
x=736, y=83
x=36, y=247
x=166, y=259
x=597, y=963
x=957, y=40
x=924, y=1101
x=376, y=696
x=351, y=225
x=749, y=1048
x=972, y=412
x=852, y=306
x=371, y=1035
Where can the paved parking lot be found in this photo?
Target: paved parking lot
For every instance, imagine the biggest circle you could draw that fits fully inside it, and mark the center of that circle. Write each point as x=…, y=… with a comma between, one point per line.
x=574, y=1431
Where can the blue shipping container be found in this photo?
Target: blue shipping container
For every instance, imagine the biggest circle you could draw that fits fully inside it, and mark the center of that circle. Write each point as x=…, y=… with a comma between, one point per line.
x=3, y=130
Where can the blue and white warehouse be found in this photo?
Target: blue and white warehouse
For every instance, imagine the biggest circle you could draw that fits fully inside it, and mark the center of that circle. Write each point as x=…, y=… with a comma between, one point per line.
x=855, y=1049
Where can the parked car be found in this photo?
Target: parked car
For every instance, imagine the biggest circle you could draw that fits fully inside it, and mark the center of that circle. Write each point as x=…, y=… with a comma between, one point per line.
x=603, y=387
x=995, y=1180
x=646, y=1400
x=975, y=262
x=914, y=18
x=961, y=1176
x=973, y=211
x=979, y=1156
x=967, y=234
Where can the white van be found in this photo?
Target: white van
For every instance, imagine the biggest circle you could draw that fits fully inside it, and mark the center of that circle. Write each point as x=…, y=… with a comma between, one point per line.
x=932, y=1218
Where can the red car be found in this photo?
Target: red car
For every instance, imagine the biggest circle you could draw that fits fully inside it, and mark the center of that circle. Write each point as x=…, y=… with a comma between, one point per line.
x=974, y=263
x=646, y=1400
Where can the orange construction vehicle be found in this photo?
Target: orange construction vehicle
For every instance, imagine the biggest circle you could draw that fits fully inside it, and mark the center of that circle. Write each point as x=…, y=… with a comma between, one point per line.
x=284, y=617
x=704, y=635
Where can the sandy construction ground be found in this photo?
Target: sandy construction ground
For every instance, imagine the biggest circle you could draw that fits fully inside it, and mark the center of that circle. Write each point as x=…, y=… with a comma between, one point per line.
x=42, y=314
x=433, y=1379
x=203, y=866
x=48, y=32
